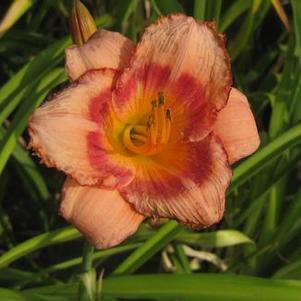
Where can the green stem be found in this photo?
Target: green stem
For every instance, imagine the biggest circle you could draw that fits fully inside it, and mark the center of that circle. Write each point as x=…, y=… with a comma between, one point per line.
x=86, y=267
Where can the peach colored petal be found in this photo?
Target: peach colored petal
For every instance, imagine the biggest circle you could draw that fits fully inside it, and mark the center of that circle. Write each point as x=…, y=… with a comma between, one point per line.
x=236, y=127
x=105, y=49
x=186, y=182
x=68, y=132
x=101, y=215
x=187, y=61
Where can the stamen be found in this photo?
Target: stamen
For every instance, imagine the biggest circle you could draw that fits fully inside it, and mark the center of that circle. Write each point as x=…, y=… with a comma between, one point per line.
x=161, y=119
x=148, y=139
x=154, y=122
x=168, y=125
x=161, y=98
x=168, y=114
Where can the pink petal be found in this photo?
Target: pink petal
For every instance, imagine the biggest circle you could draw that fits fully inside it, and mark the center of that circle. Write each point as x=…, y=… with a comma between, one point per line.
x=236, y=127
x=105, y=49
x=187, y=61
x=101, y=215
x=186, y=182
x=69, y=133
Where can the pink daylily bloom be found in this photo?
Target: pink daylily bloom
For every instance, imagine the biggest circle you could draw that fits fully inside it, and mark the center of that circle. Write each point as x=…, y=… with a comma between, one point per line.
x=145, y=131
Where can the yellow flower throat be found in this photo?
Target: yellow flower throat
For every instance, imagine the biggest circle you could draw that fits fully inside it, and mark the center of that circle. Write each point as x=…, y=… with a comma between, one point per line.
x=150, y=138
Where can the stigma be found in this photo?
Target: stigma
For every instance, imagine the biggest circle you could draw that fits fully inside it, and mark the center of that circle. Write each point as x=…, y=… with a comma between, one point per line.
x=149, y=139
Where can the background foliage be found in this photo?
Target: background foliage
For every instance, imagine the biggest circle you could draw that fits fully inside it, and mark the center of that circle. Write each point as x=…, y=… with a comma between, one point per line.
x=253, y=254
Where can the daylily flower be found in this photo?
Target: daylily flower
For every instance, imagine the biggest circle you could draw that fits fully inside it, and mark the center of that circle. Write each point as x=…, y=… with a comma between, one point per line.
x=145, y=131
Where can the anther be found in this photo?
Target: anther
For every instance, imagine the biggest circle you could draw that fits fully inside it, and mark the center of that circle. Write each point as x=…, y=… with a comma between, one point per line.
x=154, y=104
x=168, y=114
x=161, y=98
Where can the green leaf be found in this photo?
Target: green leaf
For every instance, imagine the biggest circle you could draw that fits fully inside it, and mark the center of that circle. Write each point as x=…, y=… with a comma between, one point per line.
x=66, y=292
x=160, y=239
x=35, y=69
x=15, y=11
x=165, y=7
x=209, y=287
x=10, y=295
x=183, y=287
x=296, y=6
x=96, y=256
x=38, y=242
x=265, y=155
x=28, y=168
x=234, y=11
x=290, y=271
x=123, y=11
x=258, y=197
x=291, y=217
x=217, y=239
x=238, y=44
x=10, y=276
x=199, y=9
x=213, y=10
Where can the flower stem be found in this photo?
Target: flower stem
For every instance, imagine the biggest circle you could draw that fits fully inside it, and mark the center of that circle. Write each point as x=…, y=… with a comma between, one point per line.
x=86, y=267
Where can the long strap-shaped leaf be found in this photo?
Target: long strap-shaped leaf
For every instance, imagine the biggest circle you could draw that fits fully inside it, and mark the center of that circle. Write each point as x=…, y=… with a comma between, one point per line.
x=38, y=242
x=264, y=156
x=208, y=287
x=202, y=287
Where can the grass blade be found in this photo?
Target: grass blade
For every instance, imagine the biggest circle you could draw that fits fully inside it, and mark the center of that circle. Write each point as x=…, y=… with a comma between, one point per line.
x=233, y=12
x=163, y=236
x=265, y=155
x=165, y=7
x=16, y=10
x=199, y=9
x=38, y=242
x=201, y=287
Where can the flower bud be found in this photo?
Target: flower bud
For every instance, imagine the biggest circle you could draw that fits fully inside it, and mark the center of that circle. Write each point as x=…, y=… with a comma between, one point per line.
x=82, y=23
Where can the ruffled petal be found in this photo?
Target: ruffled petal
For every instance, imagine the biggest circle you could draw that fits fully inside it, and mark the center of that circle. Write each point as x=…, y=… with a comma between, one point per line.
x=186, y=182
x=236, y=127
x=105, y=49
x=69, y=132
x=103, y=216
x=187, y=61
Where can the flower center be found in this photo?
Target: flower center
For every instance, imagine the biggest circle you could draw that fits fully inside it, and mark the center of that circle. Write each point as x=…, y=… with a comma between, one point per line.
x=150, y=138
